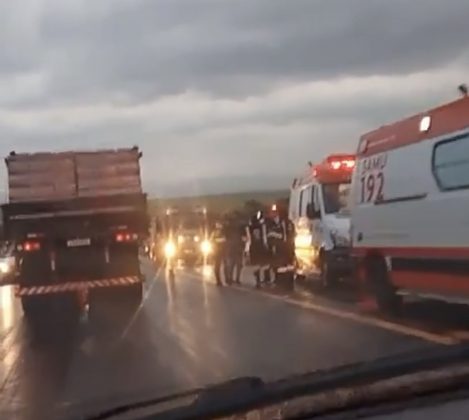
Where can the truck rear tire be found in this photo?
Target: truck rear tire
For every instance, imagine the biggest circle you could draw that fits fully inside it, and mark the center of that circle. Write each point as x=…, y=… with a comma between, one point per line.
x=379, y=284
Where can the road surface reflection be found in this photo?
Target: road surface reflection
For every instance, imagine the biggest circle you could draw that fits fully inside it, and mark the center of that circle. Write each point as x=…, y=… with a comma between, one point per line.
x=7, y=306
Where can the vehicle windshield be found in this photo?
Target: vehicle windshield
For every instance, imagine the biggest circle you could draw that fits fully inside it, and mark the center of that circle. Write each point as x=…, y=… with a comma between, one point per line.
x=336, y=198
x=190, y=225
x=173, y=211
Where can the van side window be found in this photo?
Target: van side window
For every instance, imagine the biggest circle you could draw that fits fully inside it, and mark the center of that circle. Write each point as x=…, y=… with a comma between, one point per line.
x=451, y=163
x=304, y=200
x=294, y=206
x=315, y=198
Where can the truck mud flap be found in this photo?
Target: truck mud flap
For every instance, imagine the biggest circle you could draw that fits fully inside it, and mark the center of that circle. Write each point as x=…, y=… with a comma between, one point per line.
x=76, y=286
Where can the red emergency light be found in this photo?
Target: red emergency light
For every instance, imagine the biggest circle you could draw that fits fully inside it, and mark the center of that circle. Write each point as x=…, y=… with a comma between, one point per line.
x=337, y=162
x=335, y=168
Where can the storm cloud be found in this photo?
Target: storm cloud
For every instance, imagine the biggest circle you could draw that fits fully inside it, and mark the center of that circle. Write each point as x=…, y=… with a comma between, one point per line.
x=220, y=89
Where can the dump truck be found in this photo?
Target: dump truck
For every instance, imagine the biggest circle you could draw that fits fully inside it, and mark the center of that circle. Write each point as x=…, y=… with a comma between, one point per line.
x=77, y=219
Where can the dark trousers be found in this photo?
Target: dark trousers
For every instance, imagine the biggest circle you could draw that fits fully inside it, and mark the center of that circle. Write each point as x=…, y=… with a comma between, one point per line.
x=234, y=267
x=279, y=257
x=219, y=261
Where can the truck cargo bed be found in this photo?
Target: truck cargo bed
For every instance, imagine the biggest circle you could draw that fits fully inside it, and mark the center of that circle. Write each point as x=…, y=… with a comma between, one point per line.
x=66, y=175
x=73, y=216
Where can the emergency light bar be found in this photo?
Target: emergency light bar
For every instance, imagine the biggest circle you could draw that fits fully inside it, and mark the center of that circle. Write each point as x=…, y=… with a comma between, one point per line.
x=337, y=162
x=335, y=168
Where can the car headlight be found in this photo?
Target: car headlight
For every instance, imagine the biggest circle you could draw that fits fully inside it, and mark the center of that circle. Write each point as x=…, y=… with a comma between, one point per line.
x=303, y=240
x=206, y=247
x=180, y=239
x=4, y=267
x=169, y=249
x=196, y=238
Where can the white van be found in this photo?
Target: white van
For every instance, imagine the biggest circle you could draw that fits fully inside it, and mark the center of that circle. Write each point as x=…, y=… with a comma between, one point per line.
x=410, y=207
x=319, y=210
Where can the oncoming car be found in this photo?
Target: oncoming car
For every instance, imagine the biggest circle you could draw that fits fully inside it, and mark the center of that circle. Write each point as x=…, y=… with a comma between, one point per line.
x=186, y=237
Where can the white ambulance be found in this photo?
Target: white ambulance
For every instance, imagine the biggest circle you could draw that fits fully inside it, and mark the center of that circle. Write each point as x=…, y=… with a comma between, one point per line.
x=410, y=207
x=319, y=210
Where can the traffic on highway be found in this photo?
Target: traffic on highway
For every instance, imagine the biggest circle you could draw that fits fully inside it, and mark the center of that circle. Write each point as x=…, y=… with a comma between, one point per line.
x=345, y=296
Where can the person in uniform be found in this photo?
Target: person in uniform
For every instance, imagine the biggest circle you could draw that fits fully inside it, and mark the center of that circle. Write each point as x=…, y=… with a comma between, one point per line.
x=218, y=238
x=290, y=251
x=236, y=239
x=257, y=245
x=276, y=232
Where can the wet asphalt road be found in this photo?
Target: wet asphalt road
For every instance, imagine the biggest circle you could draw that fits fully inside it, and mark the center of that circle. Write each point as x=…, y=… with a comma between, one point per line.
x=188, y=333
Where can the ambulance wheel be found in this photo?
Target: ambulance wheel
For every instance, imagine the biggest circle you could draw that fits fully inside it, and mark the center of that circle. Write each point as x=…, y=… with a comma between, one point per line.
x=327, y=276
x=378, y=281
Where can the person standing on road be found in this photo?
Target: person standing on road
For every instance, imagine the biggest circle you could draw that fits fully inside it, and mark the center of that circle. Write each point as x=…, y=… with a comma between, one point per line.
x=277, y=242
x=290, y=245
x=236, y=239
x=218, y=239
x=257, y=240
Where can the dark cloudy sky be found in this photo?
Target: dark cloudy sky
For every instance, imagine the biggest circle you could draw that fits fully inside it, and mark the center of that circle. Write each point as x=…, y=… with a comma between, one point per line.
x=222, y=94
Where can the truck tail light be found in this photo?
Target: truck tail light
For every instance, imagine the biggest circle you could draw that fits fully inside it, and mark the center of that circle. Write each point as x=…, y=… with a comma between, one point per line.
x=126, y=237
x=30, y=246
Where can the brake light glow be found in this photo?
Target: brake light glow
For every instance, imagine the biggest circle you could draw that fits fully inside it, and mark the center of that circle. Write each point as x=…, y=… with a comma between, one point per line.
x=29, y=246
x=126, y=237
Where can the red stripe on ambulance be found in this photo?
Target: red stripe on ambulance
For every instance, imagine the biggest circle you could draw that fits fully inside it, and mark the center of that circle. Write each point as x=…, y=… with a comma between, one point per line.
x=450, y=117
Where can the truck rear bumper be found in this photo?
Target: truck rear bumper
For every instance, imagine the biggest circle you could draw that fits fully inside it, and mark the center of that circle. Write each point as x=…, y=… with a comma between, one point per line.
x=76, y=286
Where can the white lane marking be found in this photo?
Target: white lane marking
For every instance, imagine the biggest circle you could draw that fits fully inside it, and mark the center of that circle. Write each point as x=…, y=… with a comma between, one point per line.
x=363, y=319
x=460, y=334
x=144, y=299
x=88, y=345
x=349, y=315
